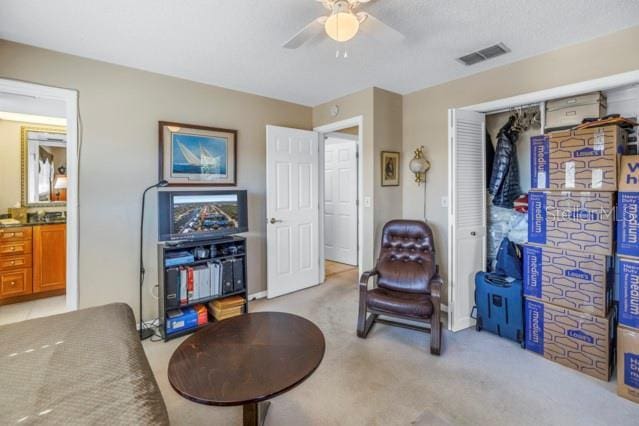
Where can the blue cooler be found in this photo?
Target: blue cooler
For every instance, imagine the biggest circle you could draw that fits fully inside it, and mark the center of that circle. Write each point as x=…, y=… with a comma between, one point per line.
x=499, y=304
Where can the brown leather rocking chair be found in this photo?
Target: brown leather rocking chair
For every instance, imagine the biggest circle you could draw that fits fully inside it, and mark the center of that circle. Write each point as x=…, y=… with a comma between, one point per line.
x=408, y=283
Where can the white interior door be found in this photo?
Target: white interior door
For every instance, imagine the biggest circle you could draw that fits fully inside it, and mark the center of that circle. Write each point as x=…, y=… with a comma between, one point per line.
x=466, y=213
x=340, y=200
x=292, y=209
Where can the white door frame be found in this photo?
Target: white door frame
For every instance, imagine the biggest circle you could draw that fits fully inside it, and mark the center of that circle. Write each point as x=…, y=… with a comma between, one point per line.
x=70, y=98
x=346, y=137
x=325, y=130
x=598, y=84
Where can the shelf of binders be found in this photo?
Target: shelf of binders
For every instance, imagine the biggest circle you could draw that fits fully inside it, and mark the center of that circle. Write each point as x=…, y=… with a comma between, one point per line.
x=236, y=262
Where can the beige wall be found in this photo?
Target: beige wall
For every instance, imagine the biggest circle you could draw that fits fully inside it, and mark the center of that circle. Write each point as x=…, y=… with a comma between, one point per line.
x=120, y=109
x=10, y=159
x=425, y=111
x=388, y=137
x=351, y=130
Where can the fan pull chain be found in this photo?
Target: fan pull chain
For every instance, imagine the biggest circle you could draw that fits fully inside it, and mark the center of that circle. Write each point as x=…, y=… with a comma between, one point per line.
x=343, y=54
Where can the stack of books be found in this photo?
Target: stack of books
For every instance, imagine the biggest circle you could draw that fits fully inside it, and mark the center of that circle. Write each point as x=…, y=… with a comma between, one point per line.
x=227, y=308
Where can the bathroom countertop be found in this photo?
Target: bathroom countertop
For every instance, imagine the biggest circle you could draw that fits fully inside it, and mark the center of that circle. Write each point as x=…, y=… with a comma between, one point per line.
x=35, y=223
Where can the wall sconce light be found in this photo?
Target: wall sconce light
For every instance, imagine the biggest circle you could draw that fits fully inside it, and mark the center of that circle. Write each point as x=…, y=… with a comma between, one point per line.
x=419, y=165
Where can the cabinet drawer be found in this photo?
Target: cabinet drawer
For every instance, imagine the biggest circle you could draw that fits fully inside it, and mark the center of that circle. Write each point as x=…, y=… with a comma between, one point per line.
x=15, y=262
x=16, y=247
x=15, y=283
x=15, y=234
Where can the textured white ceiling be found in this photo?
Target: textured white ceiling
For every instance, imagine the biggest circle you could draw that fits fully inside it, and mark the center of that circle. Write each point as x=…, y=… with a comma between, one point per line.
x=237, y=43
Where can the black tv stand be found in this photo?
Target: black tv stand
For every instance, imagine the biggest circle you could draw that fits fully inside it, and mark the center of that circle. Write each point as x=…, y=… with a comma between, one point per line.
x=219, y=249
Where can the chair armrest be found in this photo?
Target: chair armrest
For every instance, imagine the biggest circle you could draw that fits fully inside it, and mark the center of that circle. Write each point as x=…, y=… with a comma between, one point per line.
x=363, y=281
x=436, y=284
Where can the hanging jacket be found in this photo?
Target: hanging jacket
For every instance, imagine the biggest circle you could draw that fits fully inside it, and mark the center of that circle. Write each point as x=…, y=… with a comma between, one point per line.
x=504, y=180
x=490, y=157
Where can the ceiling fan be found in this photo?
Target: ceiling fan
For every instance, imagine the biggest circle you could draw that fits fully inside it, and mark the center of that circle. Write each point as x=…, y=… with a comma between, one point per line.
x=343, y=23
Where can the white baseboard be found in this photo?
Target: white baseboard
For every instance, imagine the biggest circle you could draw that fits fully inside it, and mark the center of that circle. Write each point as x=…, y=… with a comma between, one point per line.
x=258, y=295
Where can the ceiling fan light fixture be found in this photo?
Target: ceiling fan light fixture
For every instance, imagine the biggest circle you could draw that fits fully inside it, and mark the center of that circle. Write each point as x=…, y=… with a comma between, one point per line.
x=342, y=26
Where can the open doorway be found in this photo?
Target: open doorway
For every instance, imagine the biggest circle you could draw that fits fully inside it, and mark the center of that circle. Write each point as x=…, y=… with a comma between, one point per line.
x=340, y=201
x=340, y=191
x=38, y=201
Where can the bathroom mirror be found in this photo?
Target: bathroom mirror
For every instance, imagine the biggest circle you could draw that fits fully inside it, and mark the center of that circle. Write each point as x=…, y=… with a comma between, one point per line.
x=44, y=164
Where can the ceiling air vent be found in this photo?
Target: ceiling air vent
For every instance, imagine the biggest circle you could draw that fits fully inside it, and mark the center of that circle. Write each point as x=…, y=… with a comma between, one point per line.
x=484, y=54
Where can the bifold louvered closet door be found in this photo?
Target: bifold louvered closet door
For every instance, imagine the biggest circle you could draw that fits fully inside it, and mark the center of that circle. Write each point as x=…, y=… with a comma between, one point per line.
x=466, y=212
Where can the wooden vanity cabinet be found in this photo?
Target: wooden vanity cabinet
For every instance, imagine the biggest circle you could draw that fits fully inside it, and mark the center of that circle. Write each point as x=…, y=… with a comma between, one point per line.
x=32, y=262
x=15, y=262
x=49, y=257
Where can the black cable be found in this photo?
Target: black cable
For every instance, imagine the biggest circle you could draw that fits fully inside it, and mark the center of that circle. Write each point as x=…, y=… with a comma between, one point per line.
x=162, y=183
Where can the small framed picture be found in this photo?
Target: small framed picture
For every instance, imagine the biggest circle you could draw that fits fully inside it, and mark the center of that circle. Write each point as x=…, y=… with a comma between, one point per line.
x=390, y=168
x=197, y=155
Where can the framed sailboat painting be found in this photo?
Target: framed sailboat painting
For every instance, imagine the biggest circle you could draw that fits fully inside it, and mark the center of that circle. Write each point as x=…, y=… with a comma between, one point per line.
x=197, y=155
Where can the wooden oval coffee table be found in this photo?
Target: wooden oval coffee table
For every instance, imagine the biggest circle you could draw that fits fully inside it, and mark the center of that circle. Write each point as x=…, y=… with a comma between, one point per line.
x=246, y=360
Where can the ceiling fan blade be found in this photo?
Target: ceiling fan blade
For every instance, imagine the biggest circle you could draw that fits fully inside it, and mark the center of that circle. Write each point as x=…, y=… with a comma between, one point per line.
x=313, y=29
x=326, y=3
x=373, y=27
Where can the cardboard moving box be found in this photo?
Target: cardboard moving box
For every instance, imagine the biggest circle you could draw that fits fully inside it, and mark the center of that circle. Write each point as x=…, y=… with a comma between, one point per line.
x=628, y=224
x=571, y=111
x=583, y=160
x=628, y=363
x=577, y=221
x=573, y=279
x=629, y=173
x=628, y=207
x=627, y=291
x=575, y=339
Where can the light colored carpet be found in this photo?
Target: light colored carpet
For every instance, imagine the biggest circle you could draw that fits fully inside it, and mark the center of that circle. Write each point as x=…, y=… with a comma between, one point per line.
x=391, y=378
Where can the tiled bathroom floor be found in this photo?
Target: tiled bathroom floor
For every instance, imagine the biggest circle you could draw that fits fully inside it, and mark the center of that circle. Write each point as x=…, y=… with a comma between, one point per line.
x=32, y=309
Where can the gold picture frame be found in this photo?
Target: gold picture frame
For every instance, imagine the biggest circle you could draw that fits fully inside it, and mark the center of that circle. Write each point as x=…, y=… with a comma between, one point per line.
x=24, y=164
x=390, y=168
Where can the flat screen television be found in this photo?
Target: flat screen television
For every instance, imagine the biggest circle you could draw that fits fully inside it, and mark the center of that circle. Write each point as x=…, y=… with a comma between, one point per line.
x=198, y=215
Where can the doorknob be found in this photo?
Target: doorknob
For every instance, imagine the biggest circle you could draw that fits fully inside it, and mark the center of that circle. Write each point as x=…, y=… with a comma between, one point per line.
x=274, y=221
x=473, y=233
